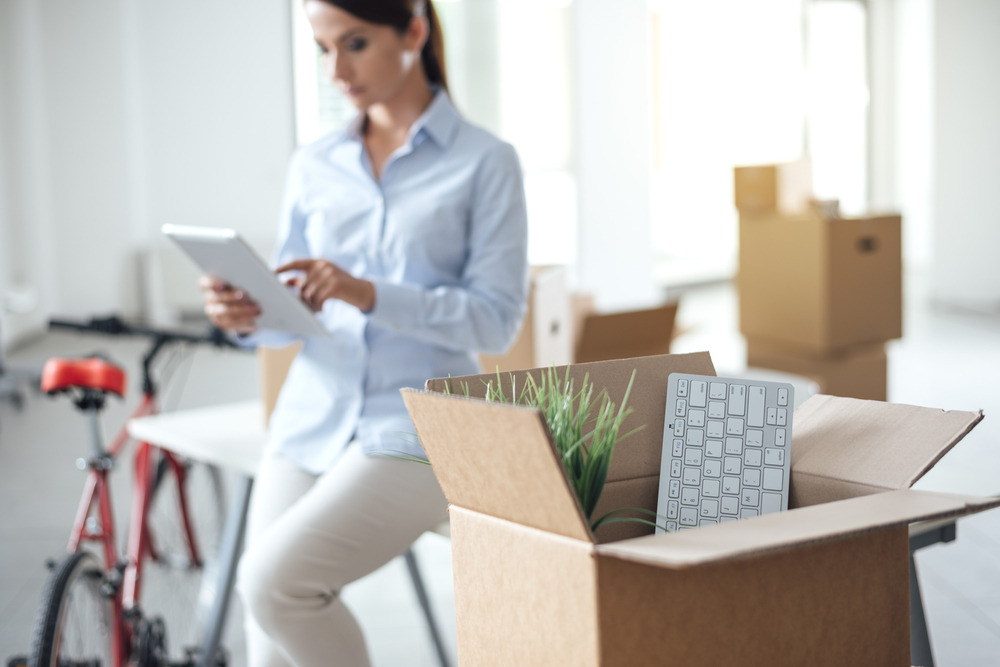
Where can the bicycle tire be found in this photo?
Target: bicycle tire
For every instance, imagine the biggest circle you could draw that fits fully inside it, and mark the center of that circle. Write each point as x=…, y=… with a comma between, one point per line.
x=74, y=621
x=173, y=588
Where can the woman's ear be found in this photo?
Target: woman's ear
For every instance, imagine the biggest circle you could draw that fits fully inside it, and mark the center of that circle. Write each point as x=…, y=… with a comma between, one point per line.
x=417, y=33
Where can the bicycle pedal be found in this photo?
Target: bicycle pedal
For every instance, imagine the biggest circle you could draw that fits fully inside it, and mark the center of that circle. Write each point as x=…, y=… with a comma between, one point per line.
x=17, y=661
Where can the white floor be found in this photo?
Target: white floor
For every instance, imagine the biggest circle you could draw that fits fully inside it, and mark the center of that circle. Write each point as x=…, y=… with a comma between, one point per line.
x=946, y=359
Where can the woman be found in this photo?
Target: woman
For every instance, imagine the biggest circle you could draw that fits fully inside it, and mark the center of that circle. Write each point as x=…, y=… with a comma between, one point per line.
x=407, y=233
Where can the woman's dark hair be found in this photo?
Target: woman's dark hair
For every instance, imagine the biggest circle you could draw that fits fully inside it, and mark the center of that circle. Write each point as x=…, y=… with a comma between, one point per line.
x=399, y=14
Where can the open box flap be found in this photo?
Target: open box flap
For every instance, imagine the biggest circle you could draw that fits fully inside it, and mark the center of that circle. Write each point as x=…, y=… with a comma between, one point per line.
x=496, y=459
x=639, y=454
x=712, y=544
x=849, y=446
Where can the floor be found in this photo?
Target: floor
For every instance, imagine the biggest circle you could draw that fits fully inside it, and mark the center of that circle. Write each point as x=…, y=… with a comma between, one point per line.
x=947, y=359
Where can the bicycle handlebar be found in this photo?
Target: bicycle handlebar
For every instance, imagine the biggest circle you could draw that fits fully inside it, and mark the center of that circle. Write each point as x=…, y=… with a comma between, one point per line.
x=115, y=326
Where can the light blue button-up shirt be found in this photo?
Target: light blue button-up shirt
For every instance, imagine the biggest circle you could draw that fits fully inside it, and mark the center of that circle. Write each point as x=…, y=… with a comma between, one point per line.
x=443, y=238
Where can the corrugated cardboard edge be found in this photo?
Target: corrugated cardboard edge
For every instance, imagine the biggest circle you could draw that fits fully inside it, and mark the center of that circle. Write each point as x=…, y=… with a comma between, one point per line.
x=794, y=528
x=419, y=404
x=803, y=413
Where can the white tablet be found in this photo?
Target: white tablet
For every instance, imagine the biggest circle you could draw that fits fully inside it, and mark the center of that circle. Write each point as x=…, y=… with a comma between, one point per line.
x=221, y=253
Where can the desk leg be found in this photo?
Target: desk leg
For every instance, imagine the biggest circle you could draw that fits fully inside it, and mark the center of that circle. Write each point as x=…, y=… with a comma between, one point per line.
x=920, y=640
x=229, y=556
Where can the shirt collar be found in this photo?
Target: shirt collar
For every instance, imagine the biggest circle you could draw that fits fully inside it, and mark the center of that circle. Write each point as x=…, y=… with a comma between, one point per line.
x=439, y=121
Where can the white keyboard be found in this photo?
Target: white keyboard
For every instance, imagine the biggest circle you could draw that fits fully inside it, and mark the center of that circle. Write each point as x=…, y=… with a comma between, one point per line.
x=726, y=450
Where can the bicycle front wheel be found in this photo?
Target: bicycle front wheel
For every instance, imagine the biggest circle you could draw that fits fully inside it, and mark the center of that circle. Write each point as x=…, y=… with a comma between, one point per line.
x=74, y=626
x=176, y=588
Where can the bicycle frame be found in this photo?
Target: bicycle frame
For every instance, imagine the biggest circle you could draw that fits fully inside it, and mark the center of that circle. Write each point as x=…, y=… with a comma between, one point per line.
x=140, y=541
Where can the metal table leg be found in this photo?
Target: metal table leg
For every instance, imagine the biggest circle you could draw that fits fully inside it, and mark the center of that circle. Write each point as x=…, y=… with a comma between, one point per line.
x=923, y=535
x=418, y=585
x=229, y=556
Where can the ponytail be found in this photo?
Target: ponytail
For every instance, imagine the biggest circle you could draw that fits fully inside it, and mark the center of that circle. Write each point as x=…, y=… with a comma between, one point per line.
x=432, y=55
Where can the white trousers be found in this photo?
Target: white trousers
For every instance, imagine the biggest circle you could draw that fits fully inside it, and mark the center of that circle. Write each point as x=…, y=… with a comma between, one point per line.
x=308, y=536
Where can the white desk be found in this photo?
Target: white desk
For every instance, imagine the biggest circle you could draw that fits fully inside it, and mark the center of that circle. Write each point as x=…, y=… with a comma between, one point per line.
x=232, y=436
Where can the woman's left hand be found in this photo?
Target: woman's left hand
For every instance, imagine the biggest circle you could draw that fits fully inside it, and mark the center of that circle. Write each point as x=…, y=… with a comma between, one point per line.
x=323, y=280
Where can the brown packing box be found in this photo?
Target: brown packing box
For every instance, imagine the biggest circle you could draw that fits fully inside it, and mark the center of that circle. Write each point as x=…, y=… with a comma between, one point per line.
x=859, y=371
x=272, y=369
x=546, y=337
x=634, y=333
x=820, y=284
x=782, y=188
x=826, y=583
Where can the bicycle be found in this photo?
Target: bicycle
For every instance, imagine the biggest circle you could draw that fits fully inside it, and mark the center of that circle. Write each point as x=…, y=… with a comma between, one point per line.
x=116, y=610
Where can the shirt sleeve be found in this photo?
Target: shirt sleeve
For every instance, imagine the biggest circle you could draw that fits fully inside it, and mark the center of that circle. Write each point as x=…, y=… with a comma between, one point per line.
x=485, y=311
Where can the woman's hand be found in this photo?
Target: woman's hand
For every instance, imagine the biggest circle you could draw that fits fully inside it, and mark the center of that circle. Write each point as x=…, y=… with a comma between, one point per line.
x=322, y=280
x=228, y=308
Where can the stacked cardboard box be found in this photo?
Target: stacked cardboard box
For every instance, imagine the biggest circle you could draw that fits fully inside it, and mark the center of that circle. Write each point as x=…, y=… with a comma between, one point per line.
x=622, y=335
x=819, y=294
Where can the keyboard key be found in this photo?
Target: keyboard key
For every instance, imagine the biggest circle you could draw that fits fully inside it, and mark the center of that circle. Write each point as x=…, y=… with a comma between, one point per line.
x=713, y=468
x=773, y=478
x=678, y=448
x=695, y=437
x=675, y=468
x=730, y=505
x=731, y=485
x=708, y=522
x=696, y=418
x=717, y=391
x=689, y=516
x=770, y=503
x=671, y=526
x=755, y=407
x=698, y=391
x=716, y=410
x=734, y=426
x=731, y=465
x=748, y=514
x=672, y=507
x=734, y=446
x=715, y=429
x=772, y=416
x=710, y=488
x=713, y=449
x=774, y=457
x=692, y=457
x=782, y=416
x=710, y=508
x=751, y=457
x=751, y=497
x=726, y=519
x=674, y=490
x=682, y=387
x=692, y=476
x=681, y=408
x=755, y=438
x=782, y=397
x=678, y=428
x=689, y=496
x=779, y=437
x=751, y=477
x=738, y=399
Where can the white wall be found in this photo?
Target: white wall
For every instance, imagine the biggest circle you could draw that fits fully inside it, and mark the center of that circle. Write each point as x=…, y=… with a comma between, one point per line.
x=120, y=116
x=967, y=152
x=612, y=152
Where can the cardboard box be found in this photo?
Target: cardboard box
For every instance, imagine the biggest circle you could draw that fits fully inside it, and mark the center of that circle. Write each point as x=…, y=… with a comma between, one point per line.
x=546, y=337
x=780, y=188
x=826, y=583
x=821, y=284
x=859, y=371
x=272, y=369
x=635, y=333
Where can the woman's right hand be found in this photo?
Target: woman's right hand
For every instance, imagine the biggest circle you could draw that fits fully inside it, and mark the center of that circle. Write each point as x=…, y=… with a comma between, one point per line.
x=228, y=308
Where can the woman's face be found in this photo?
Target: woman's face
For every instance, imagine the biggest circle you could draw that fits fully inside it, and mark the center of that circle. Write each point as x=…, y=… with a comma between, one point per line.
x=366, y=61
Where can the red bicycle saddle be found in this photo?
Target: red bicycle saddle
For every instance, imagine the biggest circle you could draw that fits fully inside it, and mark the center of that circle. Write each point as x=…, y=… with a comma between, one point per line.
x=93, y=373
